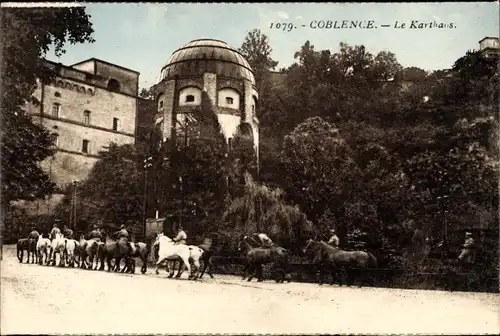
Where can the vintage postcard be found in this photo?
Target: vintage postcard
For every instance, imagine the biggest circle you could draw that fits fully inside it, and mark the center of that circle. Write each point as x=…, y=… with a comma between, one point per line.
x=250, y=168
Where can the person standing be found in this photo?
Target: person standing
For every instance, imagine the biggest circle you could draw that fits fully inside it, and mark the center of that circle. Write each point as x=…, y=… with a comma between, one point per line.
x=468, y=249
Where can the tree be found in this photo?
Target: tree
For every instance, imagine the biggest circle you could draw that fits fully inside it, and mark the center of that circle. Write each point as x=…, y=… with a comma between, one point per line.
x=146, y=94
x=257, y=51
x=27, y=35
x=317, y=167
x=112, y=193
x=263, y=209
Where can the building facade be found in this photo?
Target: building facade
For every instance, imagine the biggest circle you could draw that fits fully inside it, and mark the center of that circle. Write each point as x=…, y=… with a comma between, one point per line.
x=207, y=69
x=490, y=46
x=88, y=105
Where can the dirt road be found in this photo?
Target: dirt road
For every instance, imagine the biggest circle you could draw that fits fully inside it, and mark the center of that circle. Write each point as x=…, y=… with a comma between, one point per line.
x=42, y=299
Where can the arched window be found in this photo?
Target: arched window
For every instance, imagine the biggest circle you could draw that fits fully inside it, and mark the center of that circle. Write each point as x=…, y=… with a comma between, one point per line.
x=57, y=94
x=90, y=92
x=229, y=98
x=190, y=96
x=113, y=85
x=86, y=117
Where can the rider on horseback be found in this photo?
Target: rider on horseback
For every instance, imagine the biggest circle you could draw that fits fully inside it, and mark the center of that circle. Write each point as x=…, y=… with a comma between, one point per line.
x=122, y=233
x=334, y=239
x=264, y=240
x=34, y=234
x=55, y=230
x=95, y=233
x=181, y=236
x=67, y=232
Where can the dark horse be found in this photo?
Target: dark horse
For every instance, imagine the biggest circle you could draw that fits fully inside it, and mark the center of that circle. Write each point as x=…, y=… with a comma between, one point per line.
x=28, y=245
x=258, y=256
x=138, y=250
x=114, y=249
x=334, y=259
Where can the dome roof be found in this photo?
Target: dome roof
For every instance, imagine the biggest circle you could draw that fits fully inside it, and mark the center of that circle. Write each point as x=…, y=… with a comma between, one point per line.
x=207, y=55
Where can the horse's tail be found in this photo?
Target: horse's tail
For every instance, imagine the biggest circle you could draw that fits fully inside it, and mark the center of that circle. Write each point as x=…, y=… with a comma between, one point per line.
x=372, y=260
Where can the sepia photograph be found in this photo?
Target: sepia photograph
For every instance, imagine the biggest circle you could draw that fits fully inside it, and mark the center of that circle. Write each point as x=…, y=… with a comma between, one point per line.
x=249, y=168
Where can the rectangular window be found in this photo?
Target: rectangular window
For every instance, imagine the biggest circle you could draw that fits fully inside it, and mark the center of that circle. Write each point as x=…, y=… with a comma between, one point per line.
x=229, y=100
x=56, y=108
x=86, y=117
x=116, y=122
x=230, y=144
x=85, y=146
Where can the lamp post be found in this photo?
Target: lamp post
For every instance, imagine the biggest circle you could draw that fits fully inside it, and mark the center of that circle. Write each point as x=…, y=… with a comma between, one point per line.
x=72, y=218
x=181, y=181
x=443, y=200
x=148, y=163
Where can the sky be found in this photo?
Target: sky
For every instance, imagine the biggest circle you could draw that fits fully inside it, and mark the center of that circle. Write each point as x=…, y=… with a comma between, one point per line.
x=142, y=36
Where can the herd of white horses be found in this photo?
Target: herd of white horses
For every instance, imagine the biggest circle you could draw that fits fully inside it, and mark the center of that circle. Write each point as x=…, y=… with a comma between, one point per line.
x=84, y=252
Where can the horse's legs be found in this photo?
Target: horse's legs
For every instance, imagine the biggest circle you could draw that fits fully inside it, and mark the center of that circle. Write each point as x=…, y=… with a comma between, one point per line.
x=246, y=270
x=118, y=259
x=108, y=261
x=158, y=262
x=97, y=257
x=181, y=270
x=144, y=267
x=101, y=258
x=196, y=268
x=251, y=271
x=62, y=260
x=320, y=274
x=260, y=273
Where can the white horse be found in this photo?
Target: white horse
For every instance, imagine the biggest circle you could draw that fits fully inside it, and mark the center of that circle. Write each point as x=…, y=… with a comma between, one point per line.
x=58, y=246
x=168, y=250
x=71, y=245
x=43, y=247
x=195, y=254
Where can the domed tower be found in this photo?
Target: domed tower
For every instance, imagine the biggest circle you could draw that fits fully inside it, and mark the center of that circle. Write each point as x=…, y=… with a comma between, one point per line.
x=207, y=69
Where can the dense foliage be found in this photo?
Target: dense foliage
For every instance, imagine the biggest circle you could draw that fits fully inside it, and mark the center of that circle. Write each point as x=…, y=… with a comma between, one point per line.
x=349, y=139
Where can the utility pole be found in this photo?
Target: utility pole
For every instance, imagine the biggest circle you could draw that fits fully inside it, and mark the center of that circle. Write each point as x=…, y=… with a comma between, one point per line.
x=181, y=181
x=148, y=162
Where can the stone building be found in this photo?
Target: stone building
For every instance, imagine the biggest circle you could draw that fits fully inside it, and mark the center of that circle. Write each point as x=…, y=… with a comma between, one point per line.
x=212, y=70
x=490, y=46
x=88, y=105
